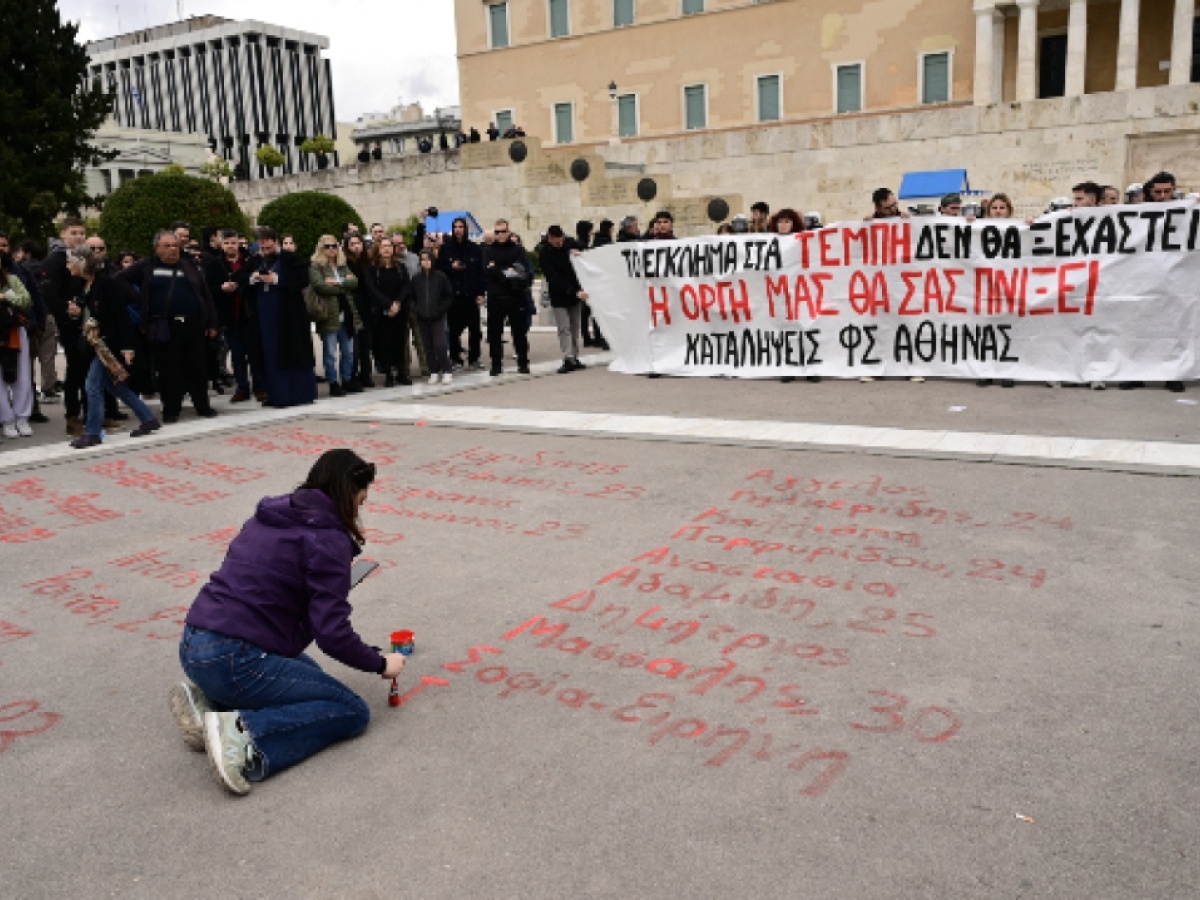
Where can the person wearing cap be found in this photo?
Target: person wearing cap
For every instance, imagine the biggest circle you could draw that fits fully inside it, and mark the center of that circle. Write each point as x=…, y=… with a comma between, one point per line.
x=566, y=293
x=1135, y=193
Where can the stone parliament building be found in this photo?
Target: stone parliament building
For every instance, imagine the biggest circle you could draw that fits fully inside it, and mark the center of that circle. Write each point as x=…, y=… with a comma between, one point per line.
x=801, y=104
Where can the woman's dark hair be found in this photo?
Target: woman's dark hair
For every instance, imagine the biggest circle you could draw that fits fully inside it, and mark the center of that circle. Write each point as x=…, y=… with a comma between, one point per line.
x=791, y=214
x=340, y=475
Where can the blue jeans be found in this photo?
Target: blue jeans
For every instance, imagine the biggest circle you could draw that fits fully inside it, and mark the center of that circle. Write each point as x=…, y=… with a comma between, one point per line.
x=341, y=342
x=289, y=707
x=99, y=381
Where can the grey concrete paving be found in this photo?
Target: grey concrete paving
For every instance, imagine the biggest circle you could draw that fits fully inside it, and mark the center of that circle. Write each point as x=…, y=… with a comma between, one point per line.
x=834, y=675
x=1148, y=414
x=543, y=348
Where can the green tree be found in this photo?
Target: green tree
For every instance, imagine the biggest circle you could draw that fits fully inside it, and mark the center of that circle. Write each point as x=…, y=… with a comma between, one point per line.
x=317, y=144
x=307, y=215
x=138, y=208
x=269, y=157
x=48, y=116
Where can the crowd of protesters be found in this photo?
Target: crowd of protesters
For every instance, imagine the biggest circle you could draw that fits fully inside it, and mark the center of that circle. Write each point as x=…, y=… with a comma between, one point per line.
x=202, y=314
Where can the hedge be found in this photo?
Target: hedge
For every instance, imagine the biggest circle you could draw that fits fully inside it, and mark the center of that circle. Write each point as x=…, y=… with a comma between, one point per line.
x=137, y=209
x=307, y=215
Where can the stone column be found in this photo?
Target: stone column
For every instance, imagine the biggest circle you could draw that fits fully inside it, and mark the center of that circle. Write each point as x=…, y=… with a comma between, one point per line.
x=1027, y=41
x=1181, y=42
x=988, y=62
x=1127, y=48
x=1077, y=47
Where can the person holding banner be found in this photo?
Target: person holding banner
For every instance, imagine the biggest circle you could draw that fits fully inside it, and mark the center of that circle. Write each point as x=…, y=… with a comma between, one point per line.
x=998, y=206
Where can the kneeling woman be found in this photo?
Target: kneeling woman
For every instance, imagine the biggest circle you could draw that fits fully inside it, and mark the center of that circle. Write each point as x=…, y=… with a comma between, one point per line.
x=257, y=702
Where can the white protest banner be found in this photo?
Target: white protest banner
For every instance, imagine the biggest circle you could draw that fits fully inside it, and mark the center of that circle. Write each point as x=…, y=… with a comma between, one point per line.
x=1101, y=294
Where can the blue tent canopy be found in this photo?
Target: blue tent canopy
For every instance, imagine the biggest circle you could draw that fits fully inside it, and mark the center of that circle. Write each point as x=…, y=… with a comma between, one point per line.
x=917, y=185
x=442, y=222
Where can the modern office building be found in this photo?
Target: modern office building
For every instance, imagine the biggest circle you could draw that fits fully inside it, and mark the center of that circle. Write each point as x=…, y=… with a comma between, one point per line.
x=244, y=84
x=580, y=71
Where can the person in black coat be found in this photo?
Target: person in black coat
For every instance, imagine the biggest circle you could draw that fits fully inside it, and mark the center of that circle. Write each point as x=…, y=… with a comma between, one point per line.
x=275, y=281
x=173, y=298
x=566, y=293
x=507, y=276
x=385, y=284
x=462, y=262
x=432, y=297
x=235, y=316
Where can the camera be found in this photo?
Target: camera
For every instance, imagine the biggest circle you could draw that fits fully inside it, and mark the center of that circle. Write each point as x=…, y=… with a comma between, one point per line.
x=264, y=269
x=433, y=212
x=972, y=211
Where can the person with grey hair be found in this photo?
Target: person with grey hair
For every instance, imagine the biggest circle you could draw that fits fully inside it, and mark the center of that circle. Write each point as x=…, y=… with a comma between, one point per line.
x=177, y=314
x=107, y=329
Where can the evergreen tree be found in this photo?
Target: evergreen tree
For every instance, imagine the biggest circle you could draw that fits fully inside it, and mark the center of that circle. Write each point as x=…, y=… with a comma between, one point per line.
x=49, y=112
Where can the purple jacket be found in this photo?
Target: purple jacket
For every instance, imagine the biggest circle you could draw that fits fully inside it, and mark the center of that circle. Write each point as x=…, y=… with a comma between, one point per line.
x=284, y=583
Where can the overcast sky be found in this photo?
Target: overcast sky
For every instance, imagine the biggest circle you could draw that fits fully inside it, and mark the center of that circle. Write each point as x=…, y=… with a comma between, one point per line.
x=379, y=52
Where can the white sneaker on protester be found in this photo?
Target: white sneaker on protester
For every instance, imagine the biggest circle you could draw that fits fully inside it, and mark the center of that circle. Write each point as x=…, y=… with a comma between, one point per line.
x=917, y=379
x=230, y=751
x=1098, y=385
x=188, y=705
x=23, y=428
x=10, y=430
x=866, y=378
x=434, y=378
x=447, y=378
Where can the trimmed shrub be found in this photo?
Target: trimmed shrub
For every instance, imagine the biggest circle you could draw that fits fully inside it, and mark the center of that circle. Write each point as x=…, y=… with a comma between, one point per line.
x=138, y=208
x=307, y=215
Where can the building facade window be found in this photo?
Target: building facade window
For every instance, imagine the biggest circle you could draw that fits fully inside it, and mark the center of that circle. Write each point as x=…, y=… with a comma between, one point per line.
x=498, y=25
x=770, y=98
x=560, y=18
x=564, y=123
x=691, y=7
x=622, y=13
x=504, y=120
x=695, y=106
x=1052, y=66
x=848, y=83
x=935, y=77
x=627, y=115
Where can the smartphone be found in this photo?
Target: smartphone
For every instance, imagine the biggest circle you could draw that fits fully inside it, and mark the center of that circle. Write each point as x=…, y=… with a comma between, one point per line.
x=360, y=570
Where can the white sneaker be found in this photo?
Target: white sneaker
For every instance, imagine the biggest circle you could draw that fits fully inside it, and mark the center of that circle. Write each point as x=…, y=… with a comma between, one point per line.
x=433, y=379
x=1098, y=385
x=1054, y=384
x=23, y=428
x=917, y=379
x=866, y=378
x=10, y=430
x=447, y=378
